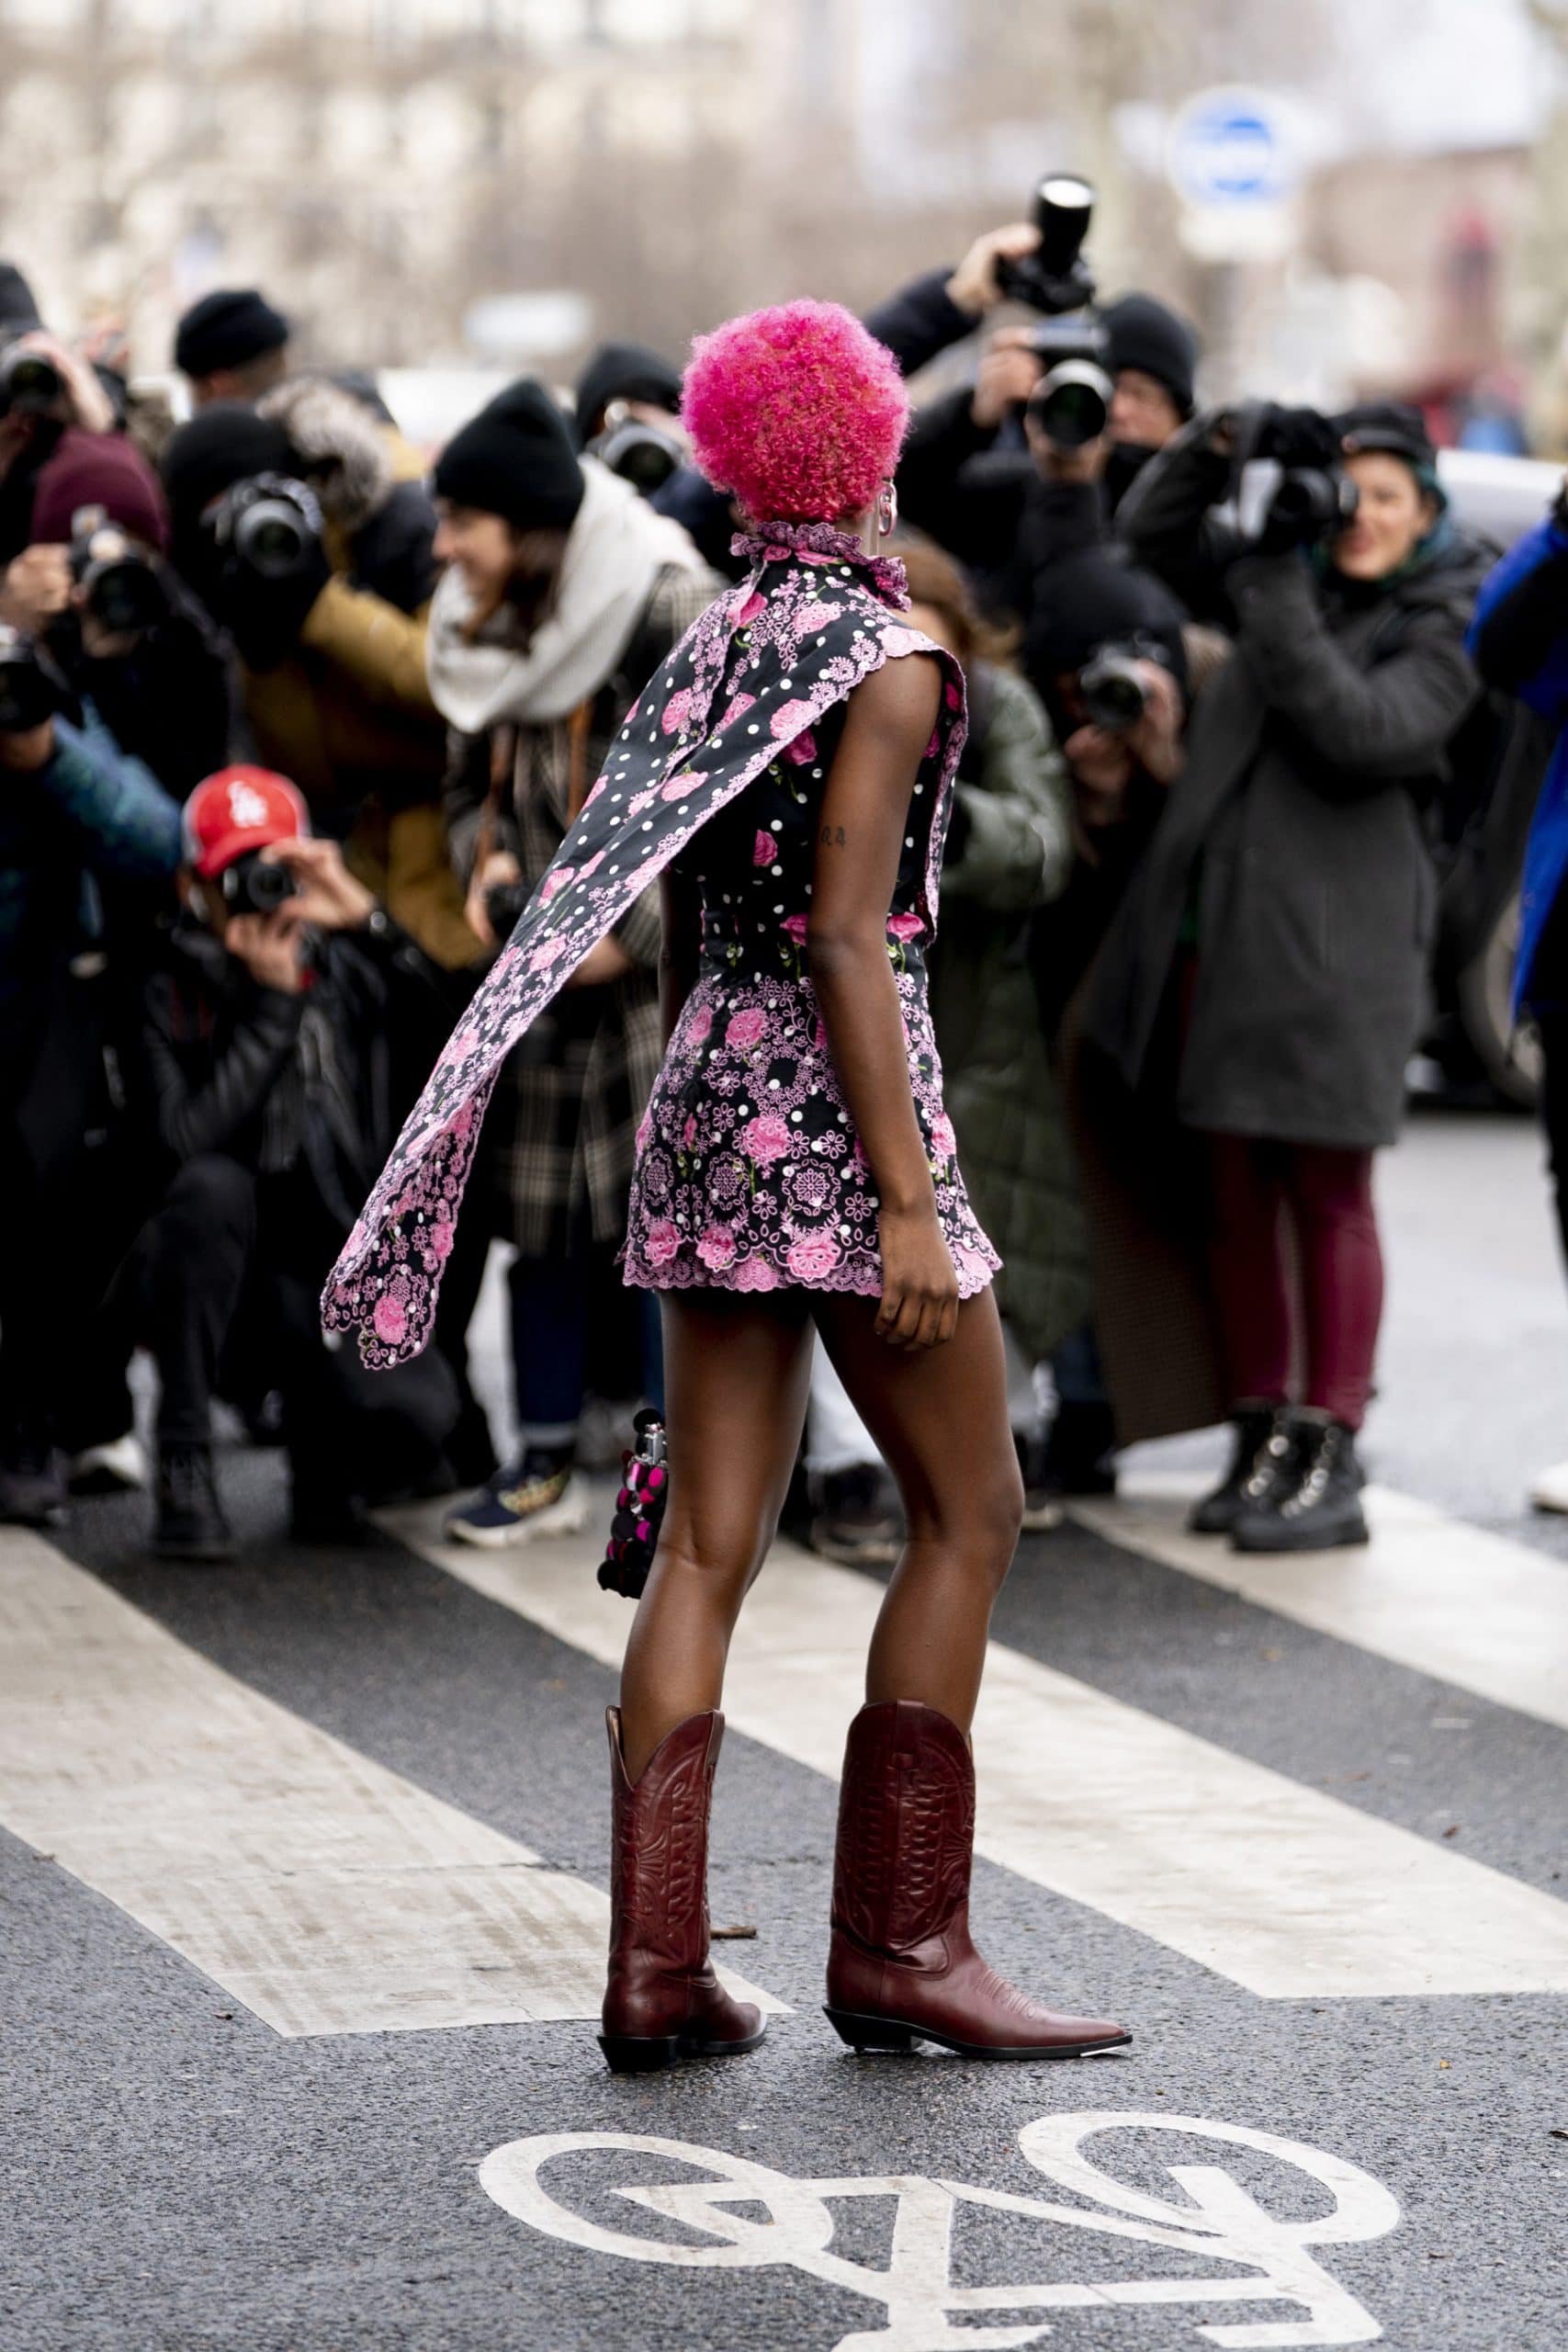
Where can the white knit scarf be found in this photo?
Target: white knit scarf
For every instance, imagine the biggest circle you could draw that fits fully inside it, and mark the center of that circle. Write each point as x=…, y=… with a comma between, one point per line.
x=615, y=549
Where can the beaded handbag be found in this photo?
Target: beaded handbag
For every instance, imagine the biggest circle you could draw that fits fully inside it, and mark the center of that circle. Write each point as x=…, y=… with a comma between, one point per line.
x=639, y=1509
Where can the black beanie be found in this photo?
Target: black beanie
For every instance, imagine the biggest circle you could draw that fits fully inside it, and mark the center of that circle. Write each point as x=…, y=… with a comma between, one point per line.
x=1392, y=426
x=223, y=444
x=18, y=312
x=1144, y=334
x=625, y=371
x=225, y=330
x=515, y=459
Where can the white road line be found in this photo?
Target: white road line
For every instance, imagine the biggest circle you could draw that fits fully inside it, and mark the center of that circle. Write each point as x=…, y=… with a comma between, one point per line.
x=325, y=1893
x=1429, y=1591
x=1276, y=1886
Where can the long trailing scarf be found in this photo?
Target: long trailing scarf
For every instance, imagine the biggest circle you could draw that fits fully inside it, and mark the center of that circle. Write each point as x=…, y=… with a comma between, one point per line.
x=615, y=551
x=812, y=618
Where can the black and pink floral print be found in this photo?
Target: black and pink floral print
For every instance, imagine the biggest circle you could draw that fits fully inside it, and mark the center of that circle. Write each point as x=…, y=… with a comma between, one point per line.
x=751, y=688
x=749, y=1175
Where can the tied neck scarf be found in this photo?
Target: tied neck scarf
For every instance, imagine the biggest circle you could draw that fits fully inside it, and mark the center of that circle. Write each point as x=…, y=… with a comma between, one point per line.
x=755, y=673
x=615, y=550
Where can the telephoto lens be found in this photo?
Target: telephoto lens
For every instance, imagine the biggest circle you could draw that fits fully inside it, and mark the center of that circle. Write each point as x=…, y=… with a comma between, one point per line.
x=1113, y=689
x=30, y=384
x=1055, y=277
x=1071, y=405
x=120, y=586
x=269, y=524
x=254, y=884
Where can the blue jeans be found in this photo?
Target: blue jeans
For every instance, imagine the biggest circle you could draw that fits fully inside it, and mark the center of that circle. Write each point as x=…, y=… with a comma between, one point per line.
x=554, y=1302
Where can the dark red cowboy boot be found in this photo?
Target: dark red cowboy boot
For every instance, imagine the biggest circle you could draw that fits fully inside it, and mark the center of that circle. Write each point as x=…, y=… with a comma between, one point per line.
x=663, y=2001
x=902, y=1968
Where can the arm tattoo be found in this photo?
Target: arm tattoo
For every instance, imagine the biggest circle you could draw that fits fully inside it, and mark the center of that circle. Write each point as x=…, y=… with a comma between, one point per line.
x=832, y=836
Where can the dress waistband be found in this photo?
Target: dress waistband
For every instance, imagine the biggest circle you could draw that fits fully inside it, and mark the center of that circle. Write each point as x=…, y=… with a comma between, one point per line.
x=777, y=942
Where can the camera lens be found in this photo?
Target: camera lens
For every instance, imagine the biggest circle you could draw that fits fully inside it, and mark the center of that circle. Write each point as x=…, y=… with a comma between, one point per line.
x=1072, y=404
x=125, y=597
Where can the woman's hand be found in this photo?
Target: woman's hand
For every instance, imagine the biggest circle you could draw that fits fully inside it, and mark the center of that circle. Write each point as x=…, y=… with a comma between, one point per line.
x=919, y=1281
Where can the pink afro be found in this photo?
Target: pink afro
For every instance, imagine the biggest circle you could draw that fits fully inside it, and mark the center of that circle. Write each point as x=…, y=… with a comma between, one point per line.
x=797, y=410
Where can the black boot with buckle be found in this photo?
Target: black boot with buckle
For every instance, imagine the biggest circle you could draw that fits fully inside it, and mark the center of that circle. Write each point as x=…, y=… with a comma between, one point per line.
x=1321, y=1505
x=1263, y=1455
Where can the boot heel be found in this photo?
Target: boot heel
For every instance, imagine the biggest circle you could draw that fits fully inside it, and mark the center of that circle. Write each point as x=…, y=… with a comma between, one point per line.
x=868, y=2034
x=629, y=2054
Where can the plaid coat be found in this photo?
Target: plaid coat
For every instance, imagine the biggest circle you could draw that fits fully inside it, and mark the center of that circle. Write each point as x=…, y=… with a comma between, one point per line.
x=560, y=1140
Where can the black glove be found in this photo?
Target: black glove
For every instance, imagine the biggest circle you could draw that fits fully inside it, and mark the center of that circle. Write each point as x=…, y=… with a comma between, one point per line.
x=265, y=616
x=1292, y=437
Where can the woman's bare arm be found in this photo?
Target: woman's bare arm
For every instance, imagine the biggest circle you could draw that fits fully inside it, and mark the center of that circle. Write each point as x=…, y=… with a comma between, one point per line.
x=860, y=838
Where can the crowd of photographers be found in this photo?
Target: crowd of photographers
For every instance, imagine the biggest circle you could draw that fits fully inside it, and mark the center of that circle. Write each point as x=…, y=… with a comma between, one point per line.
x=290, y=726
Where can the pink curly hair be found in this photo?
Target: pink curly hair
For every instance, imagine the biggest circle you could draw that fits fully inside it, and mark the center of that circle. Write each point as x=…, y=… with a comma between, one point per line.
x=797, y=410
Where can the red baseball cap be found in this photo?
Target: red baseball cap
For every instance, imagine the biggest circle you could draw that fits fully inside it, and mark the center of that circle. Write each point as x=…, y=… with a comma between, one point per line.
x=237, y=810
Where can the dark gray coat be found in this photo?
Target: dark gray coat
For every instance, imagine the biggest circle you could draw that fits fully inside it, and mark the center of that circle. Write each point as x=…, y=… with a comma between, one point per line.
x=1293, y=841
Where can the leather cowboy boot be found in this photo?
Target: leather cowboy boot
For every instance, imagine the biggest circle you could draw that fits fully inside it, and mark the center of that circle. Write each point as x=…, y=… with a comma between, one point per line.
x=902, y=1968
x=663, y=2001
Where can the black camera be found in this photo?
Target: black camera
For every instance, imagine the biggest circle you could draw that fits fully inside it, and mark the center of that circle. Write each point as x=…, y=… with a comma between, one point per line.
x=31, y=383
x=120, y=585
x=637, y=450
x=269, y=525
x=1071, y=404
x=254, y=884
x=1112, y=685
x=504, y=902
x=1312, y=504
x=29, y=691
x=1055, y=277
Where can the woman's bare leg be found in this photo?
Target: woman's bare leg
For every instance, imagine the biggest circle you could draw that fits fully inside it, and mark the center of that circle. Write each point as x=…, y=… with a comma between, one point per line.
x=735, y=1371
x=941, y=1420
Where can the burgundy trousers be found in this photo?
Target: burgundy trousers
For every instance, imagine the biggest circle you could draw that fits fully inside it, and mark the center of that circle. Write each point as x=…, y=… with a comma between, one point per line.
x=1298, y=1324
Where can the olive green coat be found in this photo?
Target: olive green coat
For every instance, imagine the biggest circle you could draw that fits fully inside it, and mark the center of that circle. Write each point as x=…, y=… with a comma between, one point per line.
x=1009, y=855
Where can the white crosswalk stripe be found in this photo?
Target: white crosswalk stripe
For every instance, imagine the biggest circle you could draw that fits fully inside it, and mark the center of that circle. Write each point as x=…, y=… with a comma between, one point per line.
x=322, y=1891
x=1429, y=1591
x=1280, y=1888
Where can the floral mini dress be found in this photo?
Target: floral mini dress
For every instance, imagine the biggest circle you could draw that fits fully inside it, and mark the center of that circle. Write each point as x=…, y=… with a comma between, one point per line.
x=750, y=1175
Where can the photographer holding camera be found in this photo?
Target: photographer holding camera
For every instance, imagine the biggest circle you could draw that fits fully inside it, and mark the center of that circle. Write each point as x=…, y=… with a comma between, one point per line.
x=88, y=843
x=290, y=526
x=282, y=1042
x=45, y=390
x=564, y=591
x=1280, y=917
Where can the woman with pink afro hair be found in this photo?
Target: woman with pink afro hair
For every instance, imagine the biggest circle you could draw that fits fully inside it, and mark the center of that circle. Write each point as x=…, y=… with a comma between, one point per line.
x=797, y=410
x=783, y=781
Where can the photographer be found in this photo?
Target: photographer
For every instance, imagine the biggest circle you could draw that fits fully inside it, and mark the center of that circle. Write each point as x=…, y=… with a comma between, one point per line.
x=1280, y=917
x=1519, y=642
x=564, y=591
x=292, y=530
x=966, y=475
x=82, y=828
x=45, y=390
x=282, y=1043
x=126, y=633
x=232, y=345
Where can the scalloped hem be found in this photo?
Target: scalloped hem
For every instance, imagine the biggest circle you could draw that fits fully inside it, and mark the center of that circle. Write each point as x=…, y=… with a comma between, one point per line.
x=860, y=1281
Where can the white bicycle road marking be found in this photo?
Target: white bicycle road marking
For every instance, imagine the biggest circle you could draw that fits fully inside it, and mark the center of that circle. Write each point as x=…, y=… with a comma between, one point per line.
x=1219, y=2222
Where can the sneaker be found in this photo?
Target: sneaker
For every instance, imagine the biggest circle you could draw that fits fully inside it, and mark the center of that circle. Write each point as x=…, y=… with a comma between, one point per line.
x=32, y=1483
x=540, y=1495
x=120, y=1467
x=1550, y=1491
x=1263, y=1455
x=190, y=1524
x=856, y=1520
x=1319, y=1505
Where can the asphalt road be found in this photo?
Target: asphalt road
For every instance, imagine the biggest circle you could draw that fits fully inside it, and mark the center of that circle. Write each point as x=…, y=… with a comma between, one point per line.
x=276, y=1839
